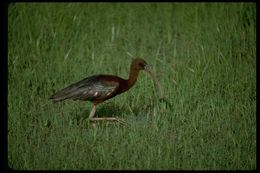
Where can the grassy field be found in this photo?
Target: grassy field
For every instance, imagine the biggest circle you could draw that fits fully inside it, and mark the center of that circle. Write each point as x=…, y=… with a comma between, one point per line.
x=204, y=56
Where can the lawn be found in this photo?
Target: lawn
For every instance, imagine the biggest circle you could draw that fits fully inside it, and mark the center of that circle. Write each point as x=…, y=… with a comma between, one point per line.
x=204, y=55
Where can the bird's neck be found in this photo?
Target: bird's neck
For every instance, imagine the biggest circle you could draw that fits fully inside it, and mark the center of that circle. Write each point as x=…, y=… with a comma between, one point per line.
x=132, y=77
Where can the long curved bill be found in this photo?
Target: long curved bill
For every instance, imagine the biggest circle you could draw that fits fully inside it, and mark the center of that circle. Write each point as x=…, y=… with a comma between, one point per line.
x=156, y=81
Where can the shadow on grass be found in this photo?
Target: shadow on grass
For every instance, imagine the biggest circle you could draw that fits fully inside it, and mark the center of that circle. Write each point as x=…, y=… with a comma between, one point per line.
x=102, y=111
x=168, y=103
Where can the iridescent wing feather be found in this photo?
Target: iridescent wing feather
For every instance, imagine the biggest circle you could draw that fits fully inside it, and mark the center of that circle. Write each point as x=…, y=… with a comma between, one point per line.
x=90, y=88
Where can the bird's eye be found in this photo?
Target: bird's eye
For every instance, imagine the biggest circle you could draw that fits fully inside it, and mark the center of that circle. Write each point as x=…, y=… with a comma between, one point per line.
x=142, y=64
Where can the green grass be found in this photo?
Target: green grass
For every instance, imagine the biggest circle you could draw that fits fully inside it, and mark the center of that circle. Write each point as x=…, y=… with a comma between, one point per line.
x=203, y=53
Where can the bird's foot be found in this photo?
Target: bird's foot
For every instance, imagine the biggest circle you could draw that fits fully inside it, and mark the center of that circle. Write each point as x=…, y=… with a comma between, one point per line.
x=121, y=121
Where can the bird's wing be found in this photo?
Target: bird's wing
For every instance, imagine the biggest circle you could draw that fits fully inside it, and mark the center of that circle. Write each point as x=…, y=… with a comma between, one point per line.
x=95, y=91
x=90, y=88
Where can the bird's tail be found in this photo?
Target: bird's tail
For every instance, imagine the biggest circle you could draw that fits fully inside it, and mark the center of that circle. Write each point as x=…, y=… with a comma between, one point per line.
x=62, y=94
x=57, y=97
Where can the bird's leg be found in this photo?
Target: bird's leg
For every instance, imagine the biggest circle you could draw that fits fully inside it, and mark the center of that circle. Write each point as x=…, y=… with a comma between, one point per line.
x=93, y=111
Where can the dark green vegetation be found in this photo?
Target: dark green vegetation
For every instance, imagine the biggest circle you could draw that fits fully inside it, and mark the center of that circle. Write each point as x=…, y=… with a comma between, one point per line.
x=204, y=56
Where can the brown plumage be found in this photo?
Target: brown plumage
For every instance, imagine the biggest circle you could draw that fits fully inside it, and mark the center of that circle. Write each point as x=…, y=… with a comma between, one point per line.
x=99, y=88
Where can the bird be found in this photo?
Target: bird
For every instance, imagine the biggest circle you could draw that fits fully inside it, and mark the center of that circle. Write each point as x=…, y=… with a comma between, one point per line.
x=99, y=88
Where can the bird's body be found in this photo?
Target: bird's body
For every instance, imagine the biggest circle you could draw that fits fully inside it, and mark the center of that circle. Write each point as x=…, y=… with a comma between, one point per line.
x=99, y=88
x=96, y=89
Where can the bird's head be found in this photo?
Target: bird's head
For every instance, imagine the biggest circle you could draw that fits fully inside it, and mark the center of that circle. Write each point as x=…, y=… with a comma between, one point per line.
x=141, y=64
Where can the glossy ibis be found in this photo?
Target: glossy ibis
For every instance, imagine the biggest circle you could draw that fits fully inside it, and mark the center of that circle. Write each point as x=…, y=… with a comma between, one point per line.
x=99, y=88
